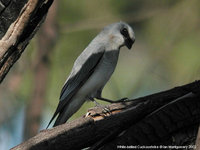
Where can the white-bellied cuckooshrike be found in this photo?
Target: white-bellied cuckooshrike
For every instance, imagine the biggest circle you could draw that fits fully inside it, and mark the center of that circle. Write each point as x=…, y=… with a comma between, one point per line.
x=92, y=69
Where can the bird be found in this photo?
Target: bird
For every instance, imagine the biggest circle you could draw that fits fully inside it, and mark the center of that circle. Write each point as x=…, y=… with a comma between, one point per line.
x=92, y=70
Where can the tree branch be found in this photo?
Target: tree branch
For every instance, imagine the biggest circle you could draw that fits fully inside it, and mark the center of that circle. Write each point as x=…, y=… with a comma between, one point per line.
x=170, y=117
x=16, y=35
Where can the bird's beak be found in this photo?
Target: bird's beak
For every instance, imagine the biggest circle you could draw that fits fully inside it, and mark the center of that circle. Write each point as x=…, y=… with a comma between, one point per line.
x=129, y=42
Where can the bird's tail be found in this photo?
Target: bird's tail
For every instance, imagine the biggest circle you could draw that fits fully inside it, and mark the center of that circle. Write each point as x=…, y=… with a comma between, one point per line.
x=64, y=112
x=54, y=115
x=59, y=111
x=60, y=119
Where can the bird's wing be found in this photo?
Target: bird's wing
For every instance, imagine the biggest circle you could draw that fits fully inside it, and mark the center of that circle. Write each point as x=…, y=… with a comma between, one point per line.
x=76, y=80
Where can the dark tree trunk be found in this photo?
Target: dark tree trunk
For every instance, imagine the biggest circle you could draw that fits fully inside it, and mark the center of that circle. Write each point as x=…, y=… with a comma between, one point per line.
x=46, y=41
x=19, y=21
x=198, y=140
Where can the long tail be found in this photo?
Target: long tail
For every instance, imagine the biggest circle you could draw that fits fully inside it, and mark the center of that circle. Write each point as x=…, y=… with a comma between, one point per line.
x=64, y=111
x=63, y=116
x=54, y=115
x=59, y=111
x=61, y=119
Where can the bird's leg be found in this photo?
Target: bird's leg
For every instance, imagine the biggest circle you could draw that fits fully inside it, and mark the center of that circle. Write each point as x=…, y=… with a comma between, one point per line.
x=123, y=99
x=111, y=101
x=105, y=109
x=105, y=99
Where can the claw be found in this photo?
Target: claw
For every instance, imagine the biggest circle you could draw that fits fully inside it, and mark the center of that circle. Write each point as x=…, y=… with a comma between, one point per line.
x=106, y=110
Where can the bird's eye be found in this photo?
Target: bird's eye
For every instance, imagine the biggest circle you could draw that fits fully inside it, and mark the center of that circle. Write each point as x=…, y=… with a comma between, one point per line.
x=124, y=32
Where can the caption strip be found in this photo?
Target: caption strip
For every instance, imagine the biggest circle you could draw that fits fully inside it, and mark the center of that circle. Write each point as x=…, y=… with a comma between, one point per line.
x=155, y=147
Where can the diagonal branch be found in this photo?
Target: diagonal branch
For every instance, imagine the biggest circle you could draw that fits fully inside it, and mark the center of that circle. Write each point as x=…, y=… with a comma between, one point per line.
x=170, y=117
x=19, y=33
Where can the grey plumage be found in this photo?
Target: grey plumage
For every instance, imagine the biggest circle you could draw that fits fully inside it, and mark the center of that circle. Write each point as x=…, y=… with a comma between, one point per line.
x=92, y=69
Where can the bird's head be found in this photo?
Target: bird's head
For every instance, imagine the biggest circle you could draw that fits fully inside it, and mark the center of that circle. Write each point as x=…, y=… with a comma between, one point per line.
x=120, y=34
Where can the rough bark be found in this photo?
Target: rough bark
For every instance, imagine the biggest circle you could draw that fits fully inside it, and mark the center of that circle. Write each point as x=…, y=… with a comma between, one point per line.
x=46, y=40
x=198, y=140
x=167, y=118
x=20, y=20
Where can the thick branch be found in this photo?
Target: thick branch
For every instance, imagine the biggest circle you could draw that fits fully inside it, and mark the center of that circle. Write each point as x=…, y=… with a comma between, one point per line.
x=18, y=33
x=169, y=117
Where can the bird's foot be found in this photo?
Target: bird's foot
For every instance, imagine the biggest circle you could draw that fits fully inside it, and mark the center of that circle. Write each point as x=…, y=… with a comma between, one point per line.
x=121, y=100
x=104, y=108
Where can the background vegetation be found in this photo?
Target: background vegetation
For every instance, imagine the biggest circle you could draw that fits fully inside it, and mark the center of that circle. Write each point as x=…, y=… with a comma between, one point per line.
x=166, y=54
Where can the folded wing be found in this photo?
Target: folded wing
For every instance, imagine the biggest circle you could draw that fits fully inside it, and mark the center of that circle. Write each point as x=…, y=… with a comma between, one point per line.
x=77, y=79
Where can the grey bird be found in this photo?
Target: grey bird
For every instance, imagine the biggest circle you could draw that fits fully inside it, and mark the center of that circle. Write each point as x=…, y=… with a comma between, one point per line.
x=92, y=70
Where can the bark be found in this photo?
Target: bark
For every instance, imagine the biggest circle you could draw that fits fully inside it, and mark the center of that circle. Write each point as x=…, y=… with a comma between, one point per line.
x=198, y=140
x=167, y=118
x=20, y=20
x=46, y=41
